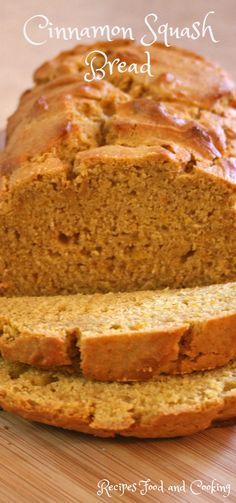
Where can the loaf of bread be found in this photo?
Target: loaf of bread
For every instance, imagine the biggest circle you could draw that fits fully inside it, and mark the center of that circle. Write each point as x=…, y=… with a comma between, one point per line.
x=126, y=336
x=122, y=184
x=165, y=407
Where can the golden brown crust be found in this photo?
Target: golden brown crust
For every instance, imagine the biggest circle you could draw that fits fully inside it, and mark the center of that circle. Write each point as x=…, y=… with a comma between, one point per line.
x=169, y=426
x=126, y=336
x=179, y=75
x=140, y=356
x=170, y=108
x=38, y=349
x=155, y=154
x=188, y=405
x=149, y=122
x=67, y=107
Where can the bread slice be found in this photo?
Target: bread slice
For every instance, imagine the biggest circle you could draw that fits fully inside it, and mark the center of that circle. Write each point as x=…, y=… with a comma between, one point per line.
x=166, y=407
x=127, y=183
x=125, y=336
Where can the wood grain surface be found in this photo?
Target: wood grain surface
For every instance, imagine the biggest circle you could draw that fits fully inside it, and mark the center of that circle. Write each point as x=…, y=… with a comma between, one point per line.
x=40, y=464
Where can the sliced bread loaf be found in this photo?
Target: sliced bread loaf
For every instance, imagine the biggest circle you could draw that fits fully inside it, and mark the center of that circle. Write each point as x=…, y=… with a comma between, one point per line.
x=166, y=407
x=126, y=183
x=123, y=336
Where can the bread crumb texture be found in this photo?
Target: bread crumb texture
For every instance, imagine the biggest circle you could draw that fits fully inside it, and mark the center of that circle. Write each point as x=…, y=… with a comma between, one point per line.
x=127, y=183
x=163, y=407
x=123, y=336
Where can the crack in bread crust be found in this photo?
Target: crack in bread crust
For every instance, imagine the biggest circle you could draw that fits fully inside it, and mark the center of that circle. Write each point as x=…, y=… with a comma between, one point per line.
x=122, y=184
x=126, y=336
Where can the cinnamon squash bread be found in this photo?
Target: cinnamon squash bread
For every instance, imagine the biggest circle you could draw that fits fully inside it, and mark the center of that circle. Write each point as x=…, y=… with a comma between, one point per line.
x=122, y=184
x=163, y=407
x=123, y=336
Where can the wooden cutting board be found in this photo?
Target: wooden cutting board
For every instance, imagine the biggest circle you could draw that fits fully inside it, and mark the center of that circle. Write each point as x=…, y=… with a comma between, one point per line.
x=40, y=464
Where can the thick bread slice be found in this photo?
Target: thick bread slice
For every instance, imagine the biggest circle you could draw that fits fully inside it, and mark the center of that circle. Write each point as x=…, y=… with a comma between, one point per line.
x=126, y=336
x=166, y=407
